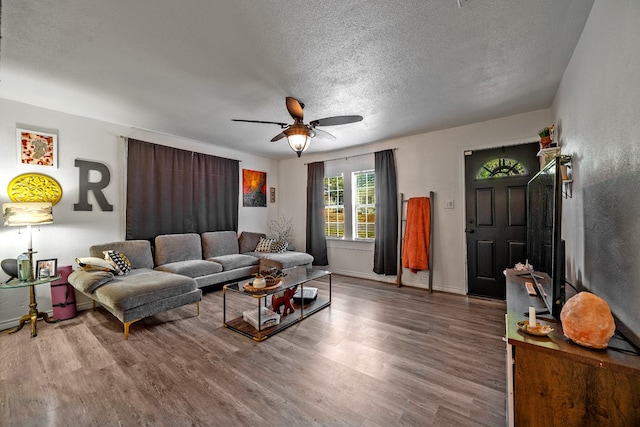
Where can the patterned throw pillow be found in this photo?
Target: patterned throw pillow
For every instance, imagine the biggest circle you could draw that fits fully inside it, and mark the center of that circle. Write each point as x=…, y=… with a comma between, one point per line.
x=279, y=246
x=264, y=245
x=94, y=264
x=119, y=261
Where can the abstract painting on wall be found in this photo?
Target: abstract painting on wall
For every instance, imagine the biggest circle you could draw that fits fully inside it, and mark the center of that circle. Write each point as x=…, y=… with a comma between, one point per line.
x=254, y=188
x=37, y=148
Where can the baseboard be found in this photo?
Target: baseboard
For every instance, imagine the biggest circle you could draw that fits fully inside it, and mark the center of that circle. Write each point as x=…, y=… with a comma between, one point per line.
x=392, y=280
x=12, y=323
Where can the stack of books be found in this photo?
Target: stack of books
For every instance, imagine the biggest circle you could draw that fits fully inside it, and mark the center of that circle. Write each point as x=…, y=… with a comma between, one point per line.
x=268, y=318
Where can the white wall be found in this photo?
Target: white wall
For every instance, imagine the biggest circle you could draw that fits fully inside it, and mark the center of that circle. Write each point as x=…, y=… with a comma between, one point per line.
x=73, y=232
x=597, y=108
x=426, y=162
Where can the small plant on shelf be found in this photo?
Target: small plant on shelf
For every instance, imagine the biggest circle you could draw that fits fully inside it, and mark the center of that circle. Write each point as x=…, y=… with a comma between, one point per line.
x=545, y=137
x=544, y=132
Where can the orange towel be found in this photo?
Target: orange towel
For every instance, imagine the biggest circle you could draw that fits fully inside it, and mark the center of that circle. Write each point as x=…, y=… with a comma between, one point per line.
x=416, y=235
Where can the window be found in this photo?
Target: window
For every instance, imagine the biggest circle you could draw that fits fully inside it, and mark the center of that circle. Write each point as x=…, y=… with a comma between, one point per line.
x=349, y=199
x=364, y=204
x=334, y=206
x=500, y=167
x=357, y=221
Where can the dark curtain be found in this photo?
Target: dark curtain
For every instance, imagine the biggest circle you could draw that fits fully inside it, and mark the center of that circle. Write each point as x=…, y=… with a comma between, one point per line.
x=385, y=255
x=316, y=240
x=177, y=191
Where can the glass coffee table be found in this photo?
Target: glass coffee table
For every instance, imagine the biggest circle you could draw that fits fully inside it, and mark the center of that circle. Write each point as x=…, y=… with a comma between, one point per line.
x=33, y=314
x=304, y=304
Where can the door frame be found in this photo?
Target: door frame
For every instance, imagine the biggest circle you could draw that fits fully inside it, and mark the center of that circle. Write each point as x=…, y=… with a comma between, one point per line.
x=461, y=162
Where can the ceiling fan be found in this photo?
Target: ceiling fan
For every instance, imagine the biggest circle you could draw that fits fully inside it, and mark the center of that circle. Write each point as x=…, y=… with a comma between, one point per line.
x=298, y=133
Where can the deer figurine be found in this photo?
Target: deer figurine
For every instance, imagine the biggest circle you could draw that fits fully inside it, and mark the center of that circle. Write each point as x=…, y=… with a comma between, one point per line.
x=284, y=299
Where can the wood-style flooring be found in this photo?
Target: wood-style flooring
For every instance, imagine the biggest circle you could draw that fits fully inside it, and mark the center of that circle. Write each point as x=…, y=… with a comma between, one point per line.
x=378, y=356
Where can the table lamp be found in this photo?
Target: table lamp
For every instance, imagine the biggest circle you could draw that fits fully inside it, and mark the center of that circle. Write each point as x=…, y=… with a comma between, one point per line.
x=31, y=213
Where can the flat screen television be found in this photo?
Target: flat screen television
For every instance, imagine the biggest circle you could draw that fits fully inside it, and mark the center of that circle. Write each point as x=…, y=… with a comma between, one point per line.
x=545, y=248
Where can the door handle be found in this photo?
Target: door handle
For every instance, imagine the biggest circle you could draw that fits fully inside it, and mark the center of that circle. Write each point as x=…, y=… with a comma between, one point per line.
x=470, y=230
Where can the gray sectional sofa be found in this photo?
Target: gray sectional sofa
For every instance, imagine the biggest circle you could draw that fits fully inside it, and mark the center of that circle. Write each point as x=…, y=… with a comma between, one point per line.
x=183, y=263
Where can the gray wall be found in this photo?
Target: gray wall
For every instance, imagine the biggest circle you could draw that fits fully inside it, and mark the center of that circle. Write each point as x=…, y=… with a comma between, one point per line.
x=597, y=109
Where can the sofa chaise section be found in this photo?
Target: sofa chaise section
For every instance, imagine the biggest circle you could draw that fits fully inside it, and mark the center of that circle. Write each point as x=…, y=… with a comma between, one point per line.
x=143, y=291
x=248, y=241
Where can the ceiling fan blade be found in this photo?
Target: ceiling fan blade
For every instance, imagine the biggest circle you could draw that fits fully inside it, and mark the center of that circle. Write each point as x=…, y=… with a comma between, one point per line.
x=336, y=120
x=295, y=108
x=278, y=137
x=282, y=125
x=321, y=134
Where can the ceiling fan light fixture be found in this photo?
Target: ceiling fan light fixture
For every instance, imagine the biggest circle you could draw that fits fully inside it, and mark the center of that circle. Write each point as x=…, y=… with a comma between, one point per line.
x=298, y=138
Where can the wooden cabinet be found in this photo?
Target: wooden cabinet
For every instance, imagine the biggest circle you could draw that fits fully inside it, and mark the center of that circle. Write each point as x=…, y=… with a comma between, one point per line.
x=553, y=382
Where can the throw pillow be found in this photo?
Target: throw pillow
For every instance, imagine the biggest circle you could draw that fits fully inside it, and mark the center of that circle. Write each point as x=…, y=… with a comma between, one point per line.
x=264, y=245
x=94, y=264
x=118, y=261
x=279, y=246
x=89, y=281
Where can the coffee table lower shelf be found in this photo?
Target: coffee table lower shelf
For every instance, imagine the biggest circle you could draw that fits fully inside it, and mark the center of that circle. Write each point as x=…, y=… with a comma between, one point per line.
x=241, y=326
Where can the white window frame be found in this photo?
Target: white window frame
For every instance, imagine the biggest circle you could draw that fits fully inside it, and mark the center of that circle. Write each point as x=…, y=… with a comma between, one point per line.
x=356, y=206
x=346, y=167
x=336, y=206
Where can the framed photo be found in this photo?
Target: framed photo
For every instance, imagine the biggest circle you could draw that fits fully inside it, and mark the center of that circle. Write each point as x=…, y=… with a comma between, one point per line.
x=272, y=194
x=254, y=188
x=47, y=264
x=37, y=148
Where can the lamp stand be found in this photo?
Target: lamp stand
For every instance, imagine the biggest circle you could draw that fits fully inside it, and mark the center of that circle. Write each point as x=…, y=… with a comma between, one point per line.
x=34, y=314
x=30, y=254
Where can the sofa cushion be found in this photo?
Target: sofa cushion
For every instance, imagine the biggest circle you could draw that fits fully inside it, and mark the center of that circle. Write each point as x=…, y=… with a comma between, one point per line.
x=191, y=268
x=178, y=247
x=286, y=259
x=89, y=281
x=138, y=252
x=143, y=286
x=233, y=261
x=248, y=241
x=216, y=243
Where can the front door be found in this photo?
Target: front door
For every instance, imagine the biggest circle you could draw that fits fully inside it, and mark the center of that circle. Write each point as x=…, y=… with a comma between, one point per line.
x=496, y=214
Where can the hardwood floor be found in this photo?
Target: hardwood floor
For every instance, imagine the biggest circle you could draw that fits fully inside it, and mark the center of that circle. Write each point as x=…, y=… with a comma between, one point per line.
x=378, y=356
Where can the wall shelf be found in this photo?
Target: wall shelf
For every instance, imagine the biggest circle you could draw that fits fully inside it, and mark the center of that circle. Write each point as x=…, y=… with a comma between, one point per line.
x=567, y=188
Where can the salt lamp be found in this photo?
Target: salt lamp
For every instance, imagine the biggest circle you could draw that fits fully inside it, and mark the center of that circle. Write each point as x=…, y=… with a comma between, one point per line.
x=587, y=320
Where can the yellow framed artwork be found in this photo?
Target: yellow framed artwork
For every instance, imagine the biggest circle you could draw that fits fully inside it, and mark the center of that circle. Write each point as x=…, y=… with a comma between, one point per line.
x=37, y=148
x=34, y=187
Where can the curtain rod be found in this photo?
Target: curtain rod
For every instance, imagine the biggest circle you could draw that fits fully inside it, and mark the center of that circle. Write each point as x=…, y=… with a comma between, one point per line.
x=355, y=155
x=135, y=129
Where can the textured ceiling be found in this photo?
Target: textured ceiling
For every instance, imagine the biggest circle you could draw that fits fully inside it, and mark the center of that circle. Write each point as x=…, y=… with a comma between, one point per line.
x=187, y=68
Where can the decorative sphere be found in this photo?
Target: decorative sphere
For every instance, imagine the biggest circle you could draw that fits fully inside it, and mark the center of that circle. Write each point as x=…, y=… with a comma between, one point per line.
x=587, y=320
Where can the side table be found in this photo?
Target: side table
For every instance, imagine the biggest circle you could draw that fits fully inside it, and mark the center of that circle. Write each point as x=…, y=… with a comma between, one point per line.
x=33, y=314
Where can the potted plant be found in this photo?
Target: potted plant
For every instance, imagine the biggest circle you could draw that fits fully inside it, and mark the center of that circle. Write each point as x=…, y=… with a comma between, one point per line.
x=545, y=137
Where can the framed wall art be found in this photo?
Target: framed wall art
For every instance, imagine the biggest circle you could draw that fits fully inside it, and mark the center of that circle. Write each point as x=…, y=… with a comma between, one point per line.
x=37, y=148
x=46, y=268
x=272, y=194
x=254, y=188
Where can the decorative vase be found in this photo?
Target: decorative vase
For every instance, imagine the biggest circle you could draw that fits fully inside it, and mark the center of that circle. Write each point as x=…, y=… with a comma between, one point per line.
x=24, y=267
x=259, y=282
x=545, y=142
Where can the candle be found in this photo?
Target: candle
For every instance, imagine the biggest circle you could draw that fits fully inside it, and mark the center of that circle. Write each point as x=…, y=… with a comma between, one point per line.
x=532, y=317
